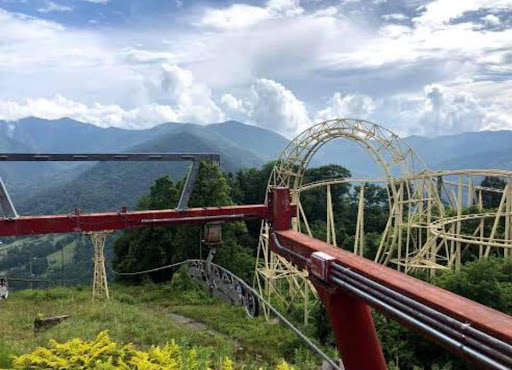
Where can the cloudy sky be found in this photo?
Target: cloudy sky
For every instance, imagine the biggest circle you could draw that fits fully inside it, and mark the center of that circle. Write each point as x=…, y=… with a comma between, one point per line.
x=415, y=66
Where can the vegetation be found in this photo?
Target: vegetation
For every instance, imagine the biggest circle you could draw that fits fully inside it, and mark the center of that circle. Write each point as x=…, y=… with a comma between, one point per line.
x=140, y=315
x=137, y=250
x=135, y=315
x=104, y=354
x=492, y=199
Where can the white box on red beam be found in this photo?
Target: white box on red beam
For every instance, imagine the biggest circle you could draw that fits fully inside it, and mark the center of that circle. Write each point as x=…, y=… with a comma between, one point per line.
x=319, y=264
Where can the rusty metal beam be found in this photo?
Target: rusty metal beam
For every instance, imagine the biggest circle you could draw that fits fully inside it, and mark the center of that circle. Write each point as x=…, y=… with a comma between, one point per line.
x=77, y=222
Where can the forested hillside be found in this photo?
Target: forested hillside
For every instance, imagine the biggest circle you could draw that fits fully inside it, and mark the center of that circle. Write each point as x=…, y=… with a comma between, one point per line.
x=59, y=187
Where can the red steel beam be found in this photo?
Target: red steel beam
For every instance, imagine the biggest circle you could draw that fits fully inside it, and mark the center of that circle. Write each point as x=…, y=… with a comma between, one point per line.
x=77, y=222
x=488, y=320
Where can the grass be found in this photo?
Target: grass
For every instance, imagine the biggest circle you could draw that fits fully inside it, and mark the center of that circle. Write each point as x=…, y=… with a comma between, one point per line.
x=55, y=258
x=140, y=315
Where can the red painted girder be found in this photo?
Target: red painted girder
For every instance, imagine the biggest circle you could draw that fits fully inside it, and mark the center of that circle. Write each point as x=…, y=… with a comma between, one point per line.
x=480, y=317
x=32, y=225
x=353, y=328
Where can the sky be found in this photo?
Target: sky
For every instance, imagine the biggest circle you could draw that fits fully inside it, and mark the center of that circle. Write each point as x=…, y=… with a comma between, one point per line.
x=417, y=67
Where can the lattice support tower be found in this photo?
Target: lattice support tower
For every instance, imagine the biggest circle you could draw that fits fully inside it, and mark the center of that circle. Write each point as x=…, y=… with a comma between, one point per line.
x=99, y=283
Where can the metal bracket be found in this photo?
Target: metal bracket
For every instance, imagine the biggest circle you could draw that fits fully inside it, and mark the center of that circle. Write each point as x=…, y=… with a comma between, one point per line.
x=6, y=204
x=188, y=186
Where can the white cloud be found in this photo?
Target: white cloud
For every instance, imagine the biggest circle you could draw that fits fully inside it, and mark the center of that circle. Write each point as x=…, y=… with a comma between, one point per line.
x=443, y=110
x=232, y=103
x=51, y=6
x=239, y=16
x=270, y=105
x=448, y=113
x=498, y=118
x=440, y=12
x=236, y=16
x=135, y=55
x=492, y=20
x=288, y=8
x=317, y=50
x=347, y=106
x=16, y=27
x=395, y=17
x=274, y=107
x=186, y=101
x=97, y=114
x=192, y=99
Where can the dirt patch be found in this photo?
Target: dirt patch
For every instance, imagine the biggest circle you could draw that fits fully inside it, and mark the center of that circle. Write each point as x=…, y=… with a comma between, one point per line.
x=193, y=324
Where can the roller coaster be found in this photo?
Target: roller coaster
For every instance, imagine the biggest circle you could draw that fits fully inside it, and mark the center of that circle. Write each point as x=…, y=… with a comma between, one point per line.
x=434, y=219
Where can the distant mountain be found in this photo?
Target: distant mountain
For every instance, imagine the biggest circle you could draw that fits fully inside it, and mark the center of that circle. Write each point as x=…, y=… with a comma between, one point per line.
x=57, y=187
x=485, y=149
x=268, y=145
x=67, y=135
x=106, y=186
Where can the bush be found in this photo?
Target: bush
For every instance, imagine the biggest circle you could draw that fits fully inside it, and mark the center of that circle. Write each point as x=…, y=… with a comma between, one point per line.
x=102, y=353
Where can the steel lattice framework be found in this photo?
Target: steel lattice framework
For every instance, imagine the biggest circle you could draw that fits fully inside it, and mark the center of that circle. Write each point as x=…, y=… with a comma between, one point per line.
x=418, y=235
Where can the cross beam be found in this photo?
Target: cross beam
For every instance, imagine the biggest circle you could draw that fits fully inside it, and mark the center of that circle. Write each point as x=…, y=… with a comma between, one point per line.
x=110, y=157
x=86, y=222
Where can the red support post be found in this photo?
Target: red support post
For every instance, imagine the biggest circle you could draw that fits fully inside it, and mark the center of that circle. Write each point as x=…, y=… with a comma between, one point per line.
x=280, y=205
x=353, y=328
x=351, y=319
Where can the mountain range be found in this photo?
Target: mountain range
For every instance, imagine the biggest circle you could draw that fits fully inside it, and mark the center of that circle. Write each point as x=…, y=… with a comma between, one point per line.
x=58, y=187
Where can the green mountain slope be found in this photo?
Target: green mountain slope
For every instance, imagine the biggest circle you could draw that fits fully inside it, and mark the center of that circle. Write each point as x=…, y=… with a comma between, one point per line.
x=108, y=186
x=266, y=144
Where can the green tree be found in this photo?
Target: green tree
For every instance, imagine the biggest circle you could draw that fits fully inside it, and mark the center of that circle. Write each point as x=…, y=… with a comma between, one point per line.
x=492, y=199
x=141, y=249
x=487, y=281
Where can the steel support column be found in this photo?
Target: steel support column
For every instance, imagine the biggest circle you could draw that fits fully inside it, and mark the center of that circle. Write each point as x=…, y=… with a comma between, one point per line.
x=351, y=319
x=353, y=328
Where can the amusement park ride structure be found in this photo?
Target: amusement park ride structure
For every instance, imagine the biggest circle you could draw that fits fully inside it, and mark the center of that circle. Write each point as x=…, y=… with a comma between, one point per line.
x=428, y=213
x=435, y=217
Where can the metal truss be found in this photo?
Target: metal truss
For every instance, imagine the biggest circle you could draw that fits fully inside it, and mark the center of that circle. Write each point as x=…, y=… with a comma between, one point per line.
x=277, y=278
x=428, y=224
x=73, y=223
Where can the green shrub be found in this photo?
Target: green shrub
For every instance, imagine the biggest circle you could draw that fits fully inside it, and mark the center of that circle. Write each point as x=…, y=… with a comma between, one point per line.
x=102, y=353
